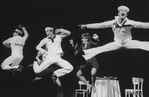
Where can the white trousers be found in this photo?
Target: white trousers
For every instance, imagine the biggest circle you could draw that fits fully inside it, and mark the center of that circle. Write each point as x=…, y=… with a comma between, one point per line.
x=66, y=67
x=12, y=61
x=131, y=44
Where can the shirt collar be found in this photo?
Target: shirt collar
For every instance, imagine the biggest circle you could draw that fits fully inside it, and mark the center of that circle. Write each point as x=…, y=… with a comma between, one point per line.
x=116, y=19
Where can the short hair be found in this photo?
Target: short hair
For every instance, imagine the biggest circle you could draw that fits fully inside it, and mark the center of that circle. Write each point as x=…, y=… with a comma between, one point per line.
x=86, y=35
x=47, y=28
x=122, y=7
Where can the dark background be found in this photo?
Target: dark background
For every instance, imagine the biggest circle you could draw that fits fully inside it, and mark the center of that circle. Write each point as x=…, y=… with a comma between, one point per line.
x=35, y=15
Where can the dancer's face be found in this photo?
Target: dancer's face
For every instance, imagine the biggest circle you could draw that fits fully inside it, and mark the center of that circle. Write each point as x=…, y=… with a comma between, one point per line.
x=15, y=34
x=122, y=13
x=49, y=32
x=84, y=39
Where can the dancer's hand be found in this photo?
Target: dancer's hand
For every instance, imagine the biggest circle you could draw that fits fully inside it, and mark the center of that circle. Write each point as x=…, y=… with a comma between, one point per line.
x=44, y=52
x=83, y=26
x=96, y=37
x=94, y=89
x=57, y=31
x=38, y=60
x=20, y=26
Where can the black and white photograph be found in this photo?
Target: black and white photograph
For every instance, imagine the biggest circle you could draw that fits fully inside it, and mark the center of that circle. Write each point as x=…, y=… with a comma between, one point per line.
x=74, y=48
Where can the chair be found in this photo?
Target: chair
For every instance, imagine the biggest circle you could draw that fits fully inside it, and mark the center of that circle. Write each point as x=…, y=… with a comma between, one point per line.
x=82, y=90
x=137, y=90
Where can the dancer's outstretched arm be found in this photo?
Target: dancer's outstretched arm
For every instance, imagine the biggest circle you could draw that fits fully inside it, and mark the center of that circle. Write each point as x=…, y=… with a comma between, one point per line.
x=105, y=24
x=137, y=24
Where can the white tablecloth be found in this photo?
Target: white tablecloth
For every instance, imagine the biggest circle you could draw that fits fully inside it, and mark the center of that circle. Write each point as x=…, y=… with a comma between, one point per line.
x=106, y=88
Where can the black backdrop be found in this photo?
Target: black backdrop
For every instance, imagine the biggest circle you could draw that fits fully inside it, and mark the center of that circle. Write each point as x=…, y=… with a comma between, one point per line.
x=36, y=15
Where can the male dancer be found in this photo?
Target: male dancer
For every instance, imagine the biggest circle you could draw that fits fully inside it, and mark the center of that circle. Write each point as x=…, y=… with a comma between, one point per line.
x=53, y=44
x=16, y=43
x=121, y=27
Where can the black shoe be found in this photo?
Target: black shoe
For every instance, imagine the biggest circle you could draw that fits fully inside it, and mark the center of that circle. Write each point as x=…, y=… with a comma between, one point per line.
x=54, y=77
x=36, y=79
x=81, y=52
x=14, y=71
x=30, y=65
x=20, y=69
x=59, y=88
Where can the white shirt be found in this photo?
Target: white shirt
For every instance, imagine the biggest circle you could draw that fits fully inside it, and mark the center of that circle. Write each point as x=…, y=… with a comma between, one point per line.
x=122, y=32
x=16, y=43
x=54, y=47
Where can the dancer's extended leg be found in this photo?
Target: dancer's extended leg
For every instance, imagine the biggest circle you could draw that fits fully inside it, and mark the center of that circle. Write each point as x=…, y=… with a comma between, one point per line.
x=89, y=53
x=135, y=44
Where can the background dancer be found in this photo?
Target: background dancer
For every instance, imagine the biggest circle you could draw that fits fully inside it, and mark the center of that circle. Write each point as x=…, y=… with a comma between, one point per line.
x=16, y=43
